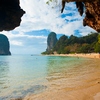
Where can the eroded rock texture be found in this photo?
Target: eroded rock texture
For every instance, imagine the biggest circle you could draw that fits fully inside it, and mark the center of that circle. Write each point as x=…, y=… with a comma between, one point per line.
x=92, y=17
x=92, y=12
x=51, y=41
x=10, y=14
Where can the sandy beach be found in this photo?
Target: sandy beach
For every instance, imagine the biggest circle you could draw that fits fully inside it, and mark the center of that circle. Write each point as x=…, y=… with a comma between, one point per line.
x=91, y=55
x=88, y=55
x=83, y=83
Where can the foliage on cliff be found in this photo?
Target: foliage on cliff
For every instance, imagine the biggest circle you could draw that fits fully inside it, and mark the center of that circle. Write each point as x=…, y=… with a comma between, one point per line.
x=74, y=44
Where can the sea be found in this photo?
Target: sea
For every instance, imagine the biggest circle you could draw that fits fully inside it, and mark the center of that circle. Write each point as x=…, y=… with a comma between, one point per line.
x=22, y=75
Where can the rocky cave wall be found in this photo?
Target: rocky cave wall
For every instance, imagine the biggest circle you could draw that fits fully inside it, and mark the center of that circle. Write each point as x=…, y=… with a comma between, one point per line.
x=11, y=13
x=92, y=12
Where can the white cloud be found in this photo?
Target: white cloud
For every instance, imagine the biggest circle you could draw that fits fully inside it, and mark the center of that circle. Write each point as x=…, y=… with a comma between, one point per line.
x=24, y=43
x=13, y=42
x=40, y=16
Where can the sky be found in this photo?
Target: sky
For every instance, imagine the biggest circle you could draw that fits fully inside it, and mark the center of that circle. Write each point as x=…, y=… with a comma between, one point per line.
x=39, y=20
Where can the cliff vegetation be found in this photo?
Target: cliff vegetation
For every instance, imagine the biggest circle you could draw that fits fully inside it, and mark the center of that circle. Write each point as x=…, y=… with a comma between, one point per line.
x=73, y=44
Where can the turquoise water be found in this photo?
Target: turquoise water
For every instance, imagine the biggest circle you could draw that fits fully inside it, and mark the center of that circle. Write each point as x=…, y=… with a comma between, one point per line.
x=21, y=75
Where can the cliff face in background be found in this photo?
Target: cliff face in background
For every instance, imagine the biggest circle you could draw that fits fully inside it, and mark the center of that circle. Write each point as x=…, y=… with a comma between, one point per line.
x=10, y=14
x=92, y=12
x=4, y=45
x=51, y=41
x=73, y=44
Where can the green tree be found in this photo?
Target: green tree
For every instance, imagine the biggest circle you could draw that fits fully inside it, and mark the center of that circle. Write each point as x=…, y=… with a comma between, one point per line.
x=85, y=48
x=97, y=46
x=72, y=40
x=90, y=38
x=99, y=38
x=61, y=43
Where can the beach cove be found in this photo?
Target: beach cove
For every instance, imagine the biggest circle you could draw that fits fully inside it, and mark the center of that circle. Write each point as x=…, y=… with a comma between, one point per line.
x=60, y=77
x=79, y=83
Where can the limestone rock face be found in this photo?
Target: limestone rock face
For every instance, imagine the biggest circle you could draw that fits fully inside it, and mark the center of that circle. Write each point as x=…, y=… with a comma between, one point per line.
x=51, y=41
x=4, y=45
x=92, y=17
x=92, y=12
x=10, y=14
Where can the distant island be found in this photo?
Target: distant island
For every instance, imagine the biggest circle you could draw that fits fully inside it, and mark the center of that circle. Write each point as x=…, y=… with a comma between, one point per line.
x=73, y=44
x=4, y=45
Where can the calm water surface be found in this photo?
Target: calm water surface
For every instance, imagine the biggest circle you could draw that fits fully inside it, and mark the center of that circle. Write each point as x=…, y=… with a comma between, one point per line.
x=21, y=75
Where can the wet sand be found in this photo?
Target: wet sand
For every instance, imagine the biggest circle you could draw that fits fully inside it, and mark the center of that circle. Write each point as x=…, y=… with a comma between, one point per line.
x=79, y=83
x=89, y=55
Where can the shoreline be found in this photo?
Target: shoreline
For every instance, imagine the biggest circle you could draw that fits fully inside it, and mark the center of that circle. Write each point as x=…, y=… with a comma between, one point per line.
x=87, y=55
x=83, y=85
x=91, y=55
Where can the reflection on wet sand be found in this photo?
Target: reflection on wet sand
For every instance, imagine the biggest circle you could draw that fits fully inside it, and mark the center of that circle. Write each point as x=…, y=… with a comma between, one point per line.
x=81, y=82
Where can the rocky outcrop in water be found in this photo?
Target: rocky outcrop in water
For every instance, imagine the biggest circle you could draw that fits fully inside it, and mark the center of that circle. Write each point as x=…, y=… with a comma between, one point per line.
x=4, y=45
x=10, y=14
x=92, y=12
x=51, y=41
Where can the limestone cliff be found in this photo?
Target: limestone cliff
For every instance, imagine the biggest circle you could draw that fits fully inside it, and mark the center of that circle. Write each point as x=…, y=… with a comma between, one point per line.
x=4, y=45
x=51, y=41
x=92, y=12
x=10, y=14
